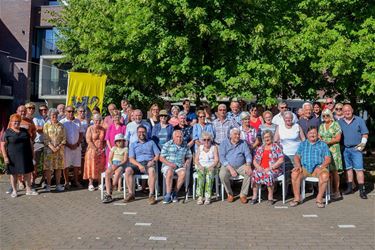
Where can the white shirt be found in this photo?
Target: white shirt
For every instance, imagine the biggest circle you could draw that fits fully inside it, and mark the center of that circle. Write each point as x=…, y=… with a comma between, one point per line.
x=72, y=130
x=278, y=119
x=289, y=139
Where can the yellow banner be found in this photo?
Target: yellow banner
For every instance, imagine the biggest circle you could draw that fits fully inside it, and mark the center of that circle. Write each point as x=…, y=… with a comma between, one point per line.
x=86, y=90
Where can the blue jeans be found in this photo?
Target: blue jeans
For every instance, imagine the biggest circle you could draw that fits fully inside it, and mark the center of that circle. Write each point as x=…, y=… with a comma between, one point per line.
x=353, y=159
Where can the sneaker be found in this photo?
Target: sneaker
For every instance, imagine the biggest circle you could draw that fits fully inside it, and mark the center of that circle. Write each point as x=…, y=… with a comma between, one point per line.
x=91, y=188
x=129, y=198
x=174, y=197
x=67, y=186
x=254, y=201
x=362, y=194
x=21, y=186
x=167, y=199
x=207, y=201
x=60, y=188
x=78, y=185
x=100, y=187
x=151, y=200
x=44, y=185
x=107, y=198
x=200, y=200
x=9, y=191
x=14, y=195
x=47, y=188
x=32, y=192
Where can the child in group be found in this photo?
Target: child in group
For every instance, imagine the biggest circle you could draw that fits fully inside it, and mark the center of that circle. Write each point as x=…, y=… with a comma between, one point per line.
x=118, y=157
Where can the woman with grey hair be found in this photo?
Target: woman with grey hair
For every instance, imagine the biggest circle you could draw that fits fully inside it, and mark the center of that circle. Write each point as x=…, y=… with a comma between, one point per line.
x=267, y=162
x=174, y=117
x=206, y=160
x=95, y=154
x=54, y=142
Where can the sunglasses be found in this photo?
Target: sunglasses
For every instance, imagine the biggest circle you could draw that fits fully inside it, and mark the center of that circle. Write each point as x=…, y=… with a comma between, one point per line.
x=69, y=111
x=201, y=116
x=42, y=109
x=206, y=140
x=31, y=108
x=222, y=110
x=338, y=108
x=283, y=107
x=329, y=103
x=325, y=115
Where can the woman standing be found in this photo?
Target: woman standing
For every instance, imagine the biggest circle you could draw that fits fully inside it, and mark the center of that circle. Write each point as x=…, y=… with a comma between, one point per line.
x=267, y=125
x=206, y=160
x=54, y=141
x=95, y=156
x=255, y=119
x=174, y=118
x=330, y=133
x=317, y=110
x=267, y=161
x=248, y=133
x=116, y=128
x=162, y=132
x=18, y=154
x=154, y=115
x=200, y=127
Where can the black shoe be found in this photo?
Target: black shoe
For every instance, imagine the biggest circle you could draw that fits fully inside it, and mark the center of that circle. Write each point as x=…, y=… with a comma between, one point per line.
x=347, y=191
x=362, y=194
x=107, y=198
x=254, y=201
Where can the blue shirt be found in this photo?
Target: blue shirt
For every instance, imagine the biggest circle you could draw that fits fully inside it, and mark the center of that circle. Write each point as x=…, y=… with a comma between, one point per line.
x=156, y=134
x=131, y=131
x=221, y=129
x=312, y=155
x=145, y=151
x=352, y=132
x=235, y=155
x=191, y=116
x=306, y=123
x=198, y=129
x=234, y=117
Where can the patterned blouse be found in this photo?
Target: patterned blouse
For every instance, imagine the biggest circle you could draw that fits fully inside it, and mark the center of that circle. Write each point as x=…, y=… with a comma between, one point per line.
x=54, y=134
x=275, y=153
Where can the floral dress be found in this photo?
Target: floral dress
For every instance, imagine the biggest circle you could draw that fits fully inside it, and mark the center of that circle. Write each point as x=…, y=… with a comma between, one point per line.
x=95, y=154
x=267, y=177
x=53, y=134
x=327, y=135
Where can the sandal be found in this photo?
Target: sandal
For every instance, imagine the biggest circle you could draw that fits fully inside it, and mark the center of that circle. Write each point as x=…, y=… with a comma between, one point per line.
x=294, y=203
x=320, y=204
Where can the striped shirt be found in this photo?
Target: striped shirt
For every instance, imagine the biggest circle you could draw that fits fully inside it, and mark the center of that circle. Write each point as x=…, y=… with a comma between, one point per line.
x=176, y=154
x=312, y=154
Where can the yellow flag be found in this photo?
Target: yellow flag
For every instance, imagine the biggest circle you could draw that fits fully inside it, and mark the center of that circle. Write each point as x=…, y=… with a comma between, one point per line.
x=86, y=90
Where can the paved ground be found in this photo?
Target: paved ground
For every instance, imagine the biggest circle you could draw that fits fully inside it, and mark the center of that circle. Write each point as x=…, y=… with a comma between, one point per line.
x=78, y=220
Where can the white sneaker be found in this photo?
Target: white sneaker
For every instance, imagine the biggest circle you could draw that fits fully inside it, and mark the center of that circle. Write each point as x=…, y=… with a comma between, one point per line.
x=207, y=201
x=9, y=191
x=32, y=192
x=91, y=188
x=59, y=188
x=100, y=187
x=200, y=201
x=14, y=195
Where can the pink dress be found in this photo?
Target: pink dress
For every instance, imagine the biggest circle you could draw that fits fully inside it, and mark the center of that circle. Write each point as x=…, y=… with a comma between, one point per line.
x=112, y=131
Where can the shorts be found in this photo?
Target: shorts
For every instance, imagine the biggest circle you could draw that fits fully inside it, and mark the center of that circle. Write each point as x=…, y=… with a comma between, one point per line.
x=136, y=169
x=119, y=167
x=72, y=157
x=165, y=169
x=353, y=159
x=313, y=174
x=38, y=152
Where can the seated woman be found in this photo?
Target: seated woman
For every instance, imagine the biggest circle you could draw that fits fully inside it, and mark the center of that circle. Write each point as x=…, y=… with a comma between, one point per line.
x=206, y=160
x=118, y=157
x=267, y=161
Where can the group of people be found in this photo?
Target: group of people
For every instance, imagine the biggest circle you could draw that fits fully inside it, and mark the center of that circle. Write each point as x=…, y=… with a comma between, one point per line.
x=174, y=143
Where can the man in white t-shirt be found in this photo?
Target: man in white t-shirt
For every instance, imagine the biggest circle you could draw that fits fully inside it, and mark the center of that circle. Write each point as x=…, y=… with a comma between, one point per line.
x=278, y=119
x=74, y=133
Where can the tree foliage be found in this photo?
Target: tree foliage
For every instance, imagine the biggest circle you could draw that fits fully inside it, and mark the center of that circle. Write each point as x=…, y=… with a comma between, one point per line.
x=217, y=48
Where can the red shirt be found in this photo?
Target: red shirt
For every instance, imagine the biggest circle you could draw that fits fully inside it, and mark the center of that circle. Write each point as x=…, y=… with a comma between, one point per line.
x=265, y=162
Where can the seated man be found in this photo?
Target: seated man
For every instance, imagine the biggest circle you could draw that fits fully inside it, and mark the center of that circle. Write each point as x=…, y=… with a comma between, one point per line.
x=235, y=158
x=175, y=157
x=312, y=159
x=143, y=156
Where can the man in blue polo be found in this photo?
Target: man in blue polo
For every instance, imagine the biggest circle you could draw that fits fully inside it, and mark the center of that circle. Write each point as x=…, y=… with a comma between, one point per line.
x=311, y=159
x=143, y=156
x=355, y=135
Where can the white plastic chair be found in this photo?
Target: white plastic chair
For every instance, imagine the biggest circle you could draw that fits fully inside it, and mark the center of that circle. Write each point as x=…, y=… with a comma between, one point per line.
x=282, y=178
x=187, y=182
x=316, y=180
x=137, y=177
x=102, y=176
x=195, y=177
x=237, y=178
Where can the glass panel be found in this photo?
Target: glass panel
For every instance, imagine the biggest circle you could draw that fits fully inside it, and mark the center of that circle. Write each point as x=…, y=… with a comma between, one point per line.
x=45, y=42
x=54, y=79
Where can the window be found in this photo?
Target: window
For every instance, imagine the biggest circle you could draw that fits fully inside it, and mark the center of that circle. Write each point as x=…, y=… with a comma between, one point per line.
x=44, y=42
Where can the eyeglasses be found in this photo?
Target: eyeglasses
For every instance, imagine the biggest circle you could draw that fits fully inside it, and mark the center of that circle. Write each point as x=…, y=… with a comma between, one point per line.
x=206, y=140
x=30, y=107
x=69, y=111
x=222, y=110
x=42, y=110
x=201, y=116
x=283, y=107
x=328, y=103
x=338, y=108
x=325, y=115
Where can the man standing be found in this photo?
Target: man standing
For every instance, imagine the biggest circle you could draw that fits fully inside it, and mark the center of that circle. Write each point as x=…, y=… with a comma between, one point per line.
x=329, y=104
x=176, y=158
x=312, y=159
x=191, y=117
x=235, y=159
x=222, y=125
x=143, y=157
x=278, y=119
x=187, y=130
x=308, y=119
x=74, y=133
x=235, y=112
x=61, y=110
x=124, y=110
x=355, y=135
x=131, y=130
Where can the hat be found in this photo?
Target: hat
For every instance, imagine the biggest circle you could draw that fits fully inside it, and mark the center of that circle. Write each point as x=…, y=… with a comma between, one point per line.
x=119, y=137
x=30, y=105
x=244, y=115
x=163, y=112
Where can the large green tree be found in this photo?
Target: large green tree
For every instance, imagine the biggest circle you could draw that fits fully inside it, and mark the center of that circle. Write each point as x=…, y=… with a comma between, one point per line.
x=216, y=48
